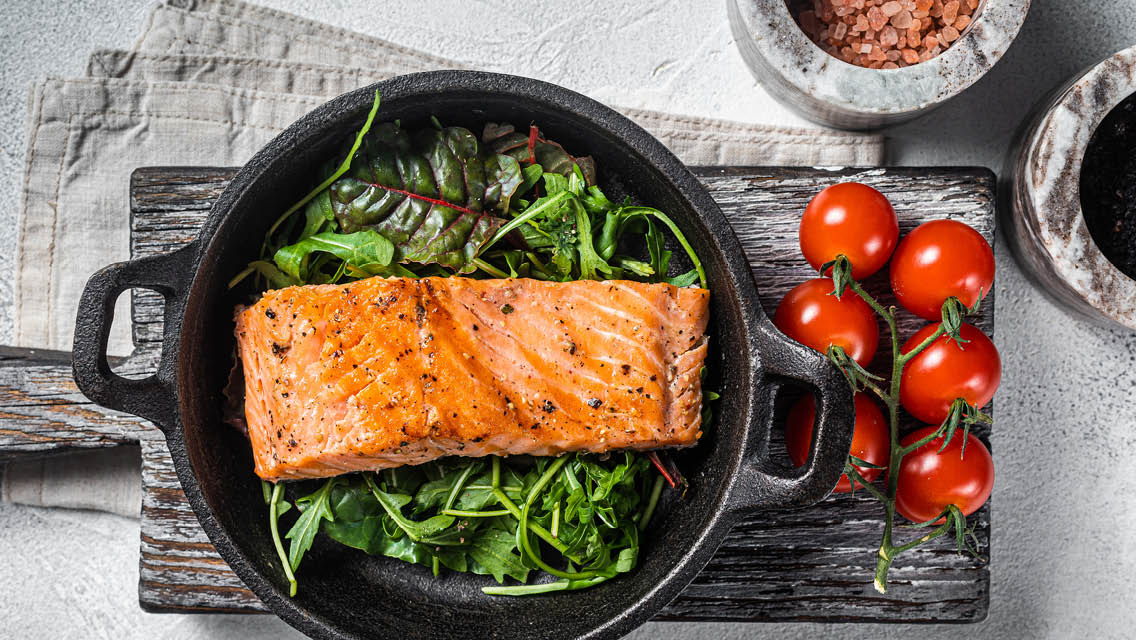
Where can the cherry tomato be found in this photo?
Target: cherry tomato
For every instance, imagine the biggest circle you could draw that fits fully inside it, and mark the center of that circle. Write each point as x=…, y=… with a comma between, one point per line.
x=944, y=371
x=870, y=438
x=852, y=219
x=929, y=481
x=937, y=260
x=812, y=316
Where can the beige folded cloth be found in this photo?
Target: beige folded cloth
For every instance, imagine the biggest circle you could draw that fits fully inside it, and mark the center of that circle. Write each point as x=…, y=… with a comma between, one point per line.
x=101, y=480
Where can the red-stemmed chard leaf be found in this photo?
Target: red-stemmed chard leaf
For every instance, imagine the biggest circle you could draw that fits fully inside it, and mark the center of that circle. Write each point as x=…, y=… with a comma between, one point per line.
x=433, y=193
x=534, y=148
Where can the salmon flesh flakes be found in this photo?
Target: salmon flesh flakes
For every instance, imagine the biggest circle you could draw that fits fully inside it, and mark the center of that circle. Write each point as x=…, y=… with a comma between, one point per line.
x=385, y=372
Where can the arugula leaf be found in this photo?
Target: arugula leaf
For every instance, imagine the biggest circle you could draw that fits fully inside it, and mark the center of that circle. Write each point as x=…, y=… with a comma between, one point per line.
x=276, y=507
x=343, y=167
x=590, y=262
x=314, y=508
x=364, y=250
x=393, y=504
x=318, y=215
x=276, y=278
x=685, y=279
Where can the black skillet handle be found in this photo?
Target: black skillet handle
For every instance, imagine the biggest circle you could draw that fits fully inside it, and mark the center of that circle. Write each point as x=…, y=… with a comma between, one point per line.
x=764, y=485
x=155, y=397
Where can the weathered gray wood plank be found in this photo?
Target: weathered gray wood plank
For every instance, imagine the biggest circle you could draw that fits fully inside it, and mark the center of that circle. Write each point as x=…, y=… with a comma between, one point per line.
x=811, y=564
x=42, y=412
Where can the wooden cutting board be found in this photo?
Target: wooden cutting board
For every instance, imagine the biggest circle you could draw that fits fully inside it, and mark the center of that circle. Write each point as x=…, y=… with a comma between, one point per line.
x=813, y=564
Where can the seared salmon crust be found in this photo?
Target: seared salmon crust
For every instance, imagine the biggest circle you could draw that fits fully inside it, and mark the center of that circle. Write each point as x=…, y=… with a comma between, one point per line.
x=386, y=372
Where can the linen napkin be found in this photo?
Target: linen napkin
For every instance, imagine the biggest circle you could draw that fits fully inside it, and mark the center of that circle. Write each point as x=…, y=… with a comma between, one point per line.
x=210, y=82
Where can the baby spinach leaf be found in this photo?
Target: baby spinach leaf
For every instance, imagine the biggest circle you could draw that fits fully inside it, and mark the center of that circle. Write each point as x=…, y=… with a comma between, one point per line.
x=358, y=519
x=364, y=250
x=532, y=174
x=503, y=180
x=493, y=554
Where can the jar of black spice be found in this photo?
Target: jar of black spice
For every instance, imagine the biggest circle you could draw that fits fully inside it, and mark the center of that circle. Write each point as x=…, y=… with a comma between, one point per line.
x=1070, y=193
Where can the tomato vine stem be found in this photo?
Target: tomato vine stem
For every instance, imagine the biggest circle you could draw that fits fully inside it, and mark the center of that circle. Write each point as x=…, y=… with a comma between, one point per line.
x=888, y=549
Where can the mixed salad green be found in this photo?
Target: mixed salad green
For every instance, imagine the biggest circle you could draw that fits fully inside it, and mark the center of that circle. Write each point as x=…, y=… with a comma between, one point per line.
x=443, y=202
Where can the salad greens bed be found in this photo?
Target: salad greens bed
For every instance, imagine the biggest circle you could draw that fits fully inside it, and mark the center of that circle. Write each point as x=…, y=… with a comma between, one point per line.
x=442, y=202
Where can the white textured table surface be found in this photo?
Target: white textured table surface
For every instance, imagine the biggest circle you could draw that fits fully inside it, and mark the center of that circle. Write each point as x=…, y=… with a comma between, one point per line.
x=1065, y=445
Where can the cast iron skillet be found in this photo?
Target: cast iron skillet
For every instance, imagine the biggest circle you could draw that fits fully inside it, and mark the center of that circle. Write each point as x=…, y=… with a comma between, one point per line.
x=344, y=593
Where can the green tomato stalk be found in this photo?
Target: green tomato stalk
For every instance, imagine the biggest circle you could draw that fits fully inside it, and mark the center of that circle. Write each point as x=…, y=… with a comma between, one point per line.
x=961, y=413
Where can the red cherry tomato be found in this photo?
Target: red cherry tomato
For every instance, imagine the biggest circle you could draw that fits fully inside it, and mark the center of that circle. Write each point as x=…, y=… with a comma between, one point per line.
x=812, y=316
x=937, y=260
x=852, y=219
x=944, y=371
x=870, y=438
x=929, y=481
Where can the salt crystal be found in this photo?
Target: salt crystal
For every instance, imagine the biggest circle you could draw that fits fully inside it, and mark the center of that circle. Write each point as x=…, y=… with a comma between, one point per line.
x=901, y=20
x=876, y=18
x=950, y=11
x=896, y=33
x=889, y=36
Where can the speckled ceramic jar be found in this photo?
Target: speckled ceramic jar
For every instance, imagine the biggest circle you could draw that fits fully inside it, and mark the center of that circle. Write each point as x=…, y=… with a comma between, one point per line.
x=1044, y=222
x=825, y=89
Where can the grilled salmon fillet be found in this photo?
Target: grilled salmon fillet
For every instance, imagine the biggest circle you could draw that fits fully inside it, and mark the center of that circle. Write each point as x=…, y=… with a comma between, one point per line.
x=393, y=371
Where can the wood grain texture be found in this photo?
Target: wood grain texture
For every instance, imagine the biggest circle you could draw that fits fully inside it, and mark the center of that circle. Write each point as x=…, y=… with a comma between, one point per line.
x=812, y=564
x=42, y=412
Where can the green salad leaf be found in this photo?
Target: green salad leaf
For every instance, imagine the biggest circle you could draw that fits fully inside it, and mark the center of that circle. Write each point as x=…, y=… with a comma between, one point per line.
x=367, y=251
x=313, y=508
